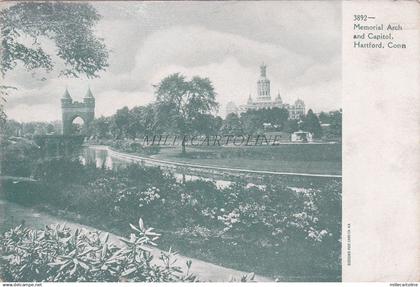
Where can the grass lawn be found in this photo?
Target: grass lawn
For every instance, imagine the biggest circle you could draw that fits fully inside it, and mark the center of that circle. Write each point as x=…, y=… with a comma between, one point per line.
x=332, y=166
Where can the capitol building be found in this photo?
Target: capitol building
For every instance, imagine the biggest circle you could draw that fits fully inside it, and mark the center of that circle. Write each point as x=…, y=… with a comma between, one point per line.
x=264, y=100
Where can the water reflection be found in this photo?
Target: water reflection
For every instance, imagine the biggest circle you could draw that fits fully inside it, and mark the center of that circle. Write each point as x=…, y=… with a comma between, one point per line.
x=101, y=158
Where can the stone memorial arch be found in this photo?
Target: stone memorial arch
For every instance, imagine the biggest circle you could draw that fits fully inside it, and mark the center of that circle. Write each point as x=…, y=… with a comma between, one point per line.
x=73, y=109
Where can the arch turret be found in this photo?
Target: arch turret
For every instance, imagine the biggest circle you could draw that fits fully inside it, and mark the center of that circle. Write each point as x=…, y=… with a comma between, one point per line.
x=66, y=98
x=71, y=110
x=89, y=99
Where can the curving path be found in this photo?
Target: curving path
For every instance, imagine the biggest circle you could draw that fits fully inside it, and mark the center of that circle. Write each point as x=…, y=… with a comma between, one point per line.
x=12, y=214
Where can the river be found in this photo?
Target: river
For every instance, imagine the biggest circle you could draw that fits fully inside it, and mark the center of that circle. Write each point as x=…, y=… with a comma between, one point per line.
x=103, y=157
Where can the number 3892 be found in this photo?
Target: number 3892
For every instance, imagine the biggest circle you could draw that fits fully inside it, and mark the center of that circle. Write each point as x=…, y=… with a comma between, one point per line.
x=360, y=17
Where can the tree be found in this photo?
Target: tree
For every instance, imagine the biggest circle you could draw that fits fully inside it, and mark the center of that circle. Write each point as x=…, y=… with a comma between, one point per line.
x=253, y=120
x=100, y=127
x=29, y=128
x=70, y=26
x=12, y=128
x=180, y=102
x=207, y=124
x=232, y=125
x=136, y=125
x=250, y=121
x=311, y=124
x=336, y=124
x=122, y=121
x=291, y=126
x=324, y=118
x=50, y=129
x=278, y=116
x=149, y=119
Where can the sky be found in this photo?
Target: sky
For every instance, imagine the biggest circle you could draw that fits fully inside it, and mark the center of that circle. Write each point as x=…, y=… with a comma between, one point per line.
x=300, y=42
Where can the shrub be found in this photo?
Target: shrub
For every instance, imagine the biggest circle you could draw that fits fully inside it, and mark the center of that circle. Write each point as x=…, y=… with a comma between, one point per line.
x=17, y=156
x=272, y=218
x=60, y=255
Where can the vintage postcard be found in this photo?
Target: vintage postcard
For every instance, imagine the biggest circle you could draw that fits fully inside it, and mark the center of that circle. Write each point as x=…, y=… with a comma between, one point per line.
x=209, y=141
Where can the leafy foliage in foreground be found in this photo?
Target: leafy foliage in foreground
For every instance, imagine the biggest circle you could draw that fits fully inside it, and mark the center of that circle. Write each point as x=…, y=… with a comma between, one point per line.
x=69, y=26
x=57, y=253
x=287, y=226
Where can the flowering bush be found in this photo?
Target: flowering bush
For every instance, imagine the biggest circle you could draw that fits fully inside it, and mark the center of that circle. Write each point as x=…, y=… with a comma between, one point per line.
x=271, y=218
x=60, y=255
x=276, y=212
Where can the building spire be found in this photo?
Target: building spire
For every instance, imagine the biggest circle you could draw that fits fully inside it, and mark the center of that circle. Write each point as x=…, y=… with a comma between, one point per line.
x=263, y=70
x=278, y=98
x=249, y=99
x=263, y=85
x=89, y=93
x=66, y=95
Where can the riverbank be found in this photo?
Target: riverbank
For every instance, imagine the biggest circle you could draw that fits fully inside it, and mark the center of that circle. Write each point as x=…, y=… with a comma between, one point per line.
x=240, y=226
x=292, y=158
x=183, y=165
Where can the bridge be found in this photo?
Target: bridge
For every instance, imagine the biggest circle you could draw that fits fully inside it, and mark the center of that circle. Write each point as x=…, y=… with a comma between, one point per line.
x=58, y=145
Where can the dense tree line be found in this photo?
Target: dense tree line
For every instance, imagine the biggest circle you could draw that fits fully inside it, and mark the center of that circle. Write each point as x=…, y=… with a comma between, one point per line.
x=334, y=121
x=187, y=107
x=259, y=121
x=14, y=128
x=158, y=118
